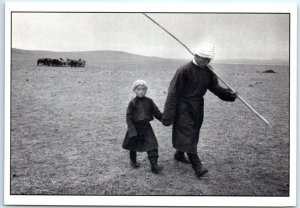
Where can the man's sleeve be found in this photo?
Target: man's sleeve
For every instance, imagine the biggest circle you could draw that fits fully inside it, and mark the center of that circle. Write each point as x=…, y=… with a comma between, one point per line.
x=223, y=93
x=174, y=92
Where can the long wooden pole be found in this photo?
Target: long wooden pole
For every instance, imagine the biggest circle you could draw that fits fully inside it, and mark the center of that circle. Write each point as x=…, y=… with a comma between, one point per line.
x=244, y=101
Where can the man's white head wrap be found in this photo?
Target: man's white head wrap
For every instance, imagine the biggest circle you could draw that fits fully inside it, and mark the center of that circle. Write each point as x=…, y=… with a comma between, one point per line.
x=205, y=50
x=139, y=82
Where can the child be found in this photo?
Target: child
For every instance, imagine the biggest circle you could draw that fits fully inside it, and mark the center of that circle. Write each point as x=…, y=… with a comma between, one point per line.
x=140, y=136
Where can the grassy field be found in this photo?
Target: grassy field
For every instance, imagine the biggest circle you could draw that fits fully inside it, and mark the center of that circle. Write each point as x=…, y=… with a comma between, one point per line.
x=68, y=124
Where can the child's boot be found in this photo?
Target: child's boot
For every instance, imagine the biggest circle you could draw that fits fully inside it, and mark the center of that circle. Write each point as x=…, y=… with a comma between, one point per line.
x=133, y=161
x=197, y=165
x=153, y=157
x=155, y=168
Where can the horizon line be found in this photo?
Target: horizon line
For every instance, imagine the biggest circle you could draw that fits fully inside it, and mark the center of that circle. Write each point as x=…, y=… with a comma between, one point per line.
x=279, y=59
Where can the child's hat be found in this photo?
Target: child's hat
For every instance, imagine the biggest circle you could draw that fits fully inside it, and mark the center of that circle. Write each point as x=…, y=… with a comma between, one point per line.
x=139, y=82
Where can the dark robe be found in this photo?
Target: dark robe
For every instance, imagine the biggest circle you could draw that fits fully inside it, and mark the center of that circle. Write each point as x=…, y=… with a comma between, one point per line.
x=184, y=107
x=140, y=136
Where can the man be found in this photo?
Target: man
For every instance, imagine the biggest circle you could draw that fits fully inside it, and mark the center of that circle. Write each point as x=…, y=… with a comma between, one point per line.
x=184, y=107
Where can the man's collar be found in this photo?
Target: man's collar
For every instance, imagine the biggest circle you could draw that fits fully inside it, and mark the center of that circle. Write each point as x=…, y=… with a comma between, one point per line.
x=194, y=62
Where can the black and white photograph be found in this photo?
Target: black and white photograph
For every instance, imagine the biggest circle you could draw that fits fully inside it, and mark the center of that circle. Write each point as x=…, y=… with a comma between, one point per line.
x=138, y=102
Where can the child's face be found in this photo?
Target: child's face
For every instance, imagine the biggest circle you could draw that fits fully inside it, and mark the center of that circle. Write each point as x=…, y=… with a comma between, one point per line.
x=140, y=91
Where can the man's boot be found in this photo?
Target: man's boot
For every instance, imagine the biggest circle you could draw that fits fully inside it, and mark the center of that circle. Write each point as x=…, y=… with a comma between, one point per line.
x=179, y=156
x=133, y=161
x=155, y=168
x=197, y=165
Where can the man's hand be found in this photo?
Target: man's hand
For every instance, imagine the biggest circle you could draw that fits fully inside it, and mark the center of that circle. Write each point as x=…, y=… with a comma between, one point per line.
x=233, y=96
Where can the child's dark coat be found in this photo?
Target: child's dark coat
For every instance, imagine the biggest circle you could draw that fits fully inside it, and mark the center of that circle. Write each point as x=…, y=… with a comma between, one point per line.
x=140, y=136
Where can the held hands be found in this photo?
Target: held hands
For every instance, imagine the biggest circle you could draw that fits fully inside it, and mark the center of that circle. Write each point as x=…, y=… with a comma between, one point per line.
x=166, y=122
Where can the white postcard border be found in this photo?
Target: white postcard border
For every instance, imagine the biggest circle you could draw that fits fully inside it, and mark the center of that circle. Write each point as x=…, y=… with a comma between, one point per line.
x=153, y=200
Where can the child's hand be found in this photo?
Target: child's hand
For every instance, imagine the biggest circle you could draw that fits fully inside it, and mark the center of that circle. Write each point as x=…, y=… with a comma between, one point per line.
x=132, y=132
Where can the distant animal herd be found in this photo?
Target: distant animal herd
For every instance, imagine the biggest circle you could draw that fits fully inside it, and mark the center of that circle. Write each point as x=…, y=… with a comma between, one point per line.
x=61, y=62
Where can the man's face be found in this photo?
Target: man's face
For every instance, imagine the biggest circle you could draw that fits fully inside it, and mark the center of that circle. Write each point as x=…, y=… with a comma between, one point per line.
x=201, y=61
x=140, y=91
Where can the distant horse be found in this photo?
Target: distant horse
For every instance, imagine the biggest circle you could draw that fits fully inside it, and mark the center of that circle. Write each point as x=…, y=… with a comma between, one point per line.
x=68, y=62
x=75, y=63
x=58, y=62
x=55, y=62
x=62, y=61
x=71, y=63
x=44, y=61
x=48, y=61
x=41, y=61
x=81, y=63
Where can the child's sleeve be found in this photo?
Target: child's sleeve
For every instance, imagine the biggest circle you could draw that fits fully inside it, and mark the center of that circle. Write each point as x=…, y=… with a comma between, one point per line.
x=129, y=120
x=156, y=112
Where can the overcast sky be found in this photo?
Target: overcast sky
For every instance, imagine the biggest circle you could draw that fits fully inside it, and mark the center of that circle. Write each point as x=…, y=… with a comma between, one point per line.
x=235, y=36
